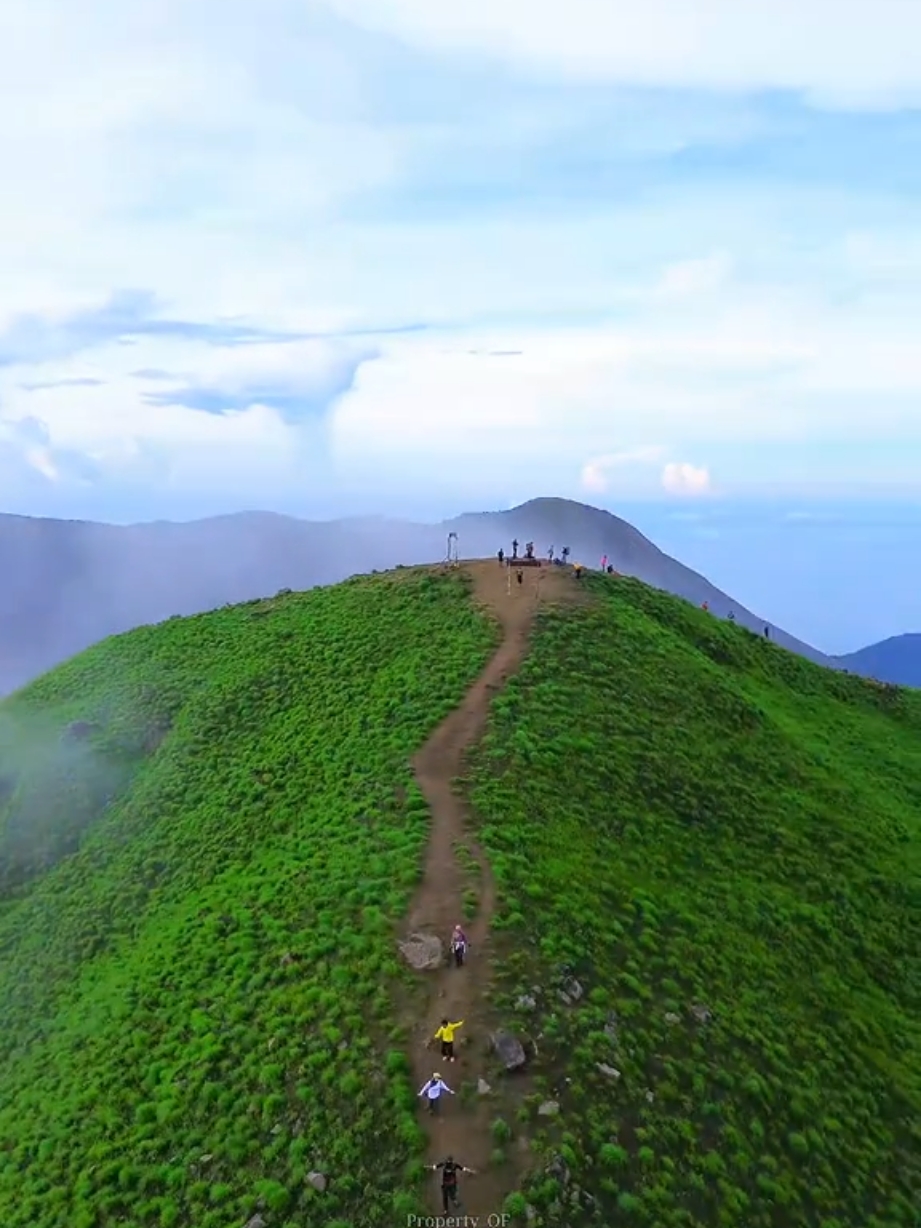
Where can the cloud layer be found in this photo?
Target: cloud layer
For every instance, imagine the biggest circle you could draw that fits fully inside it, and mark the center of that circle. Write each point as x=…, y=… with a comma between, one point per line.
x=411, y=257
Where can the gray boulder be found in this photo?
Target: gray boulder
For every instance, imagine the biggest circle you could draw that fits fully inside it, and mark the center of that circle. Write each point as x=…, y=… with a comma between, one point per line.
x=423, y=952
x=509, y=1048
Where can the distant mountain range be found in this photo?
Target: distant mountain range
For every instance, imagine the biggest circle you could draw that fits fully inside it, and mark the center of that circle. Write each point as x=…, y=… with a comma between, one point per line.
x=897, y=659
x=67, y=584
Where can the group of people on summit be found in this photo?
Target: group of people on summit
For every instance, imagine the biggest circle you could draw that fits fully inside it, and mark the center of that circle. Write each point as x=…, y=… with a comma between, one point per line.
x=563, y=558
x=559, y=560
x=435, y=1087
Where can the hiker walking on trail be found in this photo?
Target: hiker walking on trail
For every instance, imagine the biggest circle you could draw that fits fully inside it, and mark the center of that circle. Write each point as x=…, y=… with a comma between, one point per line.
x=519, y=576
x=459, y=946
x=501, y=556
x=446, y=1035
x=432, y=1089
x=449, y=1170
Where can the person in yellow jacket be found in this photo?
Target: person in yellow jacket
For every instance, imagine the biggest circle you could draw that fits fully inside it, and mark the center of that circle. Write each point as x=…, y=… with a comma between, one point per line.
x=446, y=1035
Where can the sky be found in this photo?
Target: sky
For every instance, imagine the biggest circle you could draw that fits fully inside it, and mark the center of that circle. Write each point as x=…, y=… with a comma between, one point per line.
x=418, y=257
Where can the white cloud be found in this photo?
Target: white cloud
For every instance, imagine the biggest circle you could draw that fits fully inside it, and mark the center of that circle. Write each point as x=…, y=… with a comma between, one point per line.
x=263, y=162
x=844, y=52
x=597, y=473
x=680, y=478
x=692, y=278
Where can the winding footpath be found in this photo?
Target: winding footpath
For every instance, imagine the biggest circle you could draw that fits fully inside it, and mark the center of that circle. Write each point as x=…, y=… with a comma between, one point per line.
x=463, y=1130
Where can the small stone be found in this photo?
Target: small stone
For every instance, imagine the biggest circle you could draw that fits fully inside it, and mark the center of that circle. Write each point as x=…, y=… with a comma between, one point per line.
x=526, y=1002
x=610, y=1072
x=671, y=1018
x=483, y=1087
x=256, y=1222
x=318, y=1181
x=573, y=989
x=549, y=1108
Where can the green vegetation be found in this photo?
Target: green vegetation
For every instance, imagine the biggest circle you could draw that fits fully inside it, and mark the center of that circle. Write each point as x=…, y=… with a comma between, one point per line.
x=679, y=815
x=207, y=832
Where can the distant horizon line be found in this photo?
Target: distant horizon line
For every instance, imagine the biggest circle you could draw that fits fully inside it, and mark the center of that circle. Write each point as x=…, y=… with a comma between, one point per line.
x=688, y=509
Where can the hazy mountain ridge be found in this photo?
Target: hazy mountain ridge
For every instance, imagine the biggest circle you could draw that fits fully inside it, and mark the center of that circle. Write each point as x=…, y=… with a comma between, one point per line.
x=68, y=584
x=896, y=659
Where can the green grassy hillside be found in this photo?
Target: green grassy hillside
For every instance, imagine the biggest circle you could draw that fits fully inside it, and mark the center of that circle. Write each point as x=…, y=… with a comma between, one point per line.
x=680, y=814
x=208, y=830
x=183, y=810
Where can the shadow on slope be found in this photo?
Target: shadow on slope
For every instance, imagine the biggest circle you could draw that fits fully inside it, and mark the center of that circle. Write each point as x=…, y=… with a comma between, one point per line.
x=720, y=841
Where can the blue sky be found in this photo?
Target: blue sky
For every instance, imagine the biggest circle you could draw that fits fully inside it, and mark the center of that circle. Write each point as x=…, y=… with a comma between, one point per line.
x=414, y=257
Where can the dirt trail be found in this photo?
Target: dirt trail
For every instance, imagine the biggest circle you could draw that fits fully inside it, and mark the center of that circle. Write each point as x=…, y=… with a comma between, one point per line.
x=463, y=1130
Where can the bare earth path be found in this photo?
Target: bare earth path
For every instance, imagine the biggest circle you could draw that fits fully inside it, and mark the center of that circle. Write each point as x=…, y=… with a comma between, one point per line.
x=463, y=1130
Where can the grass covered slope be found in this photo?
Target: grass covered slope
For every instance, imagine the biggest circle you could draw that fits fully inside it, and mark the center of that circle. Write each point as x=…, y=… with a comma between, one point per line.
x=686, y=815
x=200, y=885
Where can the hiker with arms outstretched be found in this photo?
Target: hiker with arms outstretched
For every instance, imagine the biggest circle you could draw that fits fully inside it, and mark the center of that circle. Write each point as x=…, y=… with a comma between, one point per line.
x=432, y=1089
x=446, y=1035
x=449, y=1170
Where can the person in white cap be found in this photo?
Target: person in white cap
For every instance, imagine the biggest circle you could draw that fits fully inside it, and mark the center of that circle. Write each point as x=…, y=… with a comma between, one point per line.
x=433, y=1089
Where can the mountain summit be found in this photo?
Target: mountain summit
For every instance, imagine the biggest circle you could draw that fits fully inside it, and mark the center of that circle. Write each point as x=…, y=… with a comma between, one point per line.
x=68, y=584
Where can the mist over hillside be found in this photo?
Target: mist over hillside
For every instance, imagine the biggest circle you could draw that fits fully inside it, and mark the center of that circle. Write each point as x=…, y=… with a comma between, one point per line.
x=68, y=584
